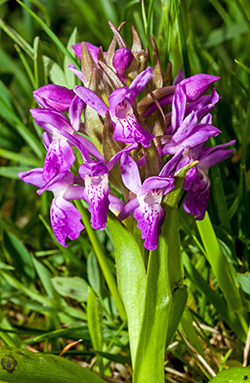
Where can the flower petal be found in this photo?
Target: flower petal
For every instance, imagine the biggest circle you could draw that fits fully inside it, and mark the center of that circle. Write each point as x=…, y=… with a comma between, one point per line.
x=130, y=173
x=195, y=85
x=97, y=193
x=129, y=130
x=65, y=220
x=91, y=99
x=33, y=177
x=141, y=81
x=50, y=119
x=212, y=156
x=178, y=108
x=59, y=158
x=196, y=199
x=75, y=112
x=149, y=219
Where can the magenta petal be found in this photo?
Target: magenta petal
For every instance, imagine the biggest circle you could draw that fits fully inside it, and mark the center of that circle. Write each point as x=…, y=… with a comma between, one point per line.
x=50, y=119
x=141, y=81
x=97, y=193
x=129, y=130
x=196, y=199
x=212, y=156
x=33, y=177
x=130, y=173
x=77, y=72
x=75, y=112
x=91, y=99
x=196, y=85
x=59, y=158
x=178, y=109
x=128, y=209
x=54, y=96
x=157, y=182
x=65, y=220
x=149, y=219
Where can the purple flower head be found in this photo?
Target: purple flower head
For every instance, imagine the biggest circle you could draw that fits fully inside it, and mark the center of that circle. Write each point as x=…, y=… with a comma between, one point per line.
x=127, y=128
x=196, y=182
x=65, y=218
x=146, y=206
x=121, y=61
x=54, y=96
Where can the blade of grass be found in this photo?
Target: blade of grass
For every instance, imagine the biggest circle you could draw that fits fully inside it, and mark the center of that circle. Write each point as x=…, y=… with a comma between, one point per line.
x=51, y=34
x=182, y=38
x=17, y=38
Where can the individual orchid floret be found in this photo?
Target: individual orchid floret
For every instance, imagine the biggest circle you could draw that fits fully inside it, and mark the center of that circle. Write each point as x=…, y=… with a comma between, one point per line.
x=95, y=175
x=96, y=193
x=54, y=96
x=60, y=156
x=65, y=218
x=121, y=61
x=146, y=207
x=197, y=182
x=186, y=132
x=192, y=87
x=126, y=126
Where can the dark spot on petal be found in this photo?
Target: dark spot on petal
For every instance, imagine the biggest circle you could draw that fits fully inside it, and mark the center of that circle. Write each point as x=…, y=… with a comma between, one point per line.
x=245, y=377
x=9, y=364
x=72, y=291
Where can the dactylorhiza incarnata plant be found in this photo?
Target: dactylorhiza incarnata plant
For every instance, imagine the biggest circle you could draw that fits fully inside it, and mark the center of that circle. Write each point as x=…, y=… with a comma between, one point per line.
x=134, y=132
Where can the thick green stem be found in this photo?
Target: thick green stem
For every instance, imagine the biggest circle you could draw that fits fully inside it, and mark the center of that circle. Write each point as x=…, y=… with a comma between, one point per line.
x=100, y=254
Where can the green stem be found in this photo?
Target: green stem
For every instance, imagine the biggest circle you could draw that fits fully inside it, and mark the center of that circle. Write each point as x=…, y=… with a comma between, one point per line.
x=100, y=254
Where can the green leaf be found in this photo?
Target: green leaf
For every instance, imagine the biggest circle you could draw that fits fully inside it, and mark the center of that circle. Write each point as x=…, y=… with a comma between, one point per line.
x=232, y=375
x=20, y=256
x=244, y=281
x=72, y=287
x=177, y=308
x=223, y=270
x=94, y=315
x=17, y=38
x=190, y=332
x=38, y=64
x=22, y=366
x=50, y=34
x=131, y=276
x=70, y=76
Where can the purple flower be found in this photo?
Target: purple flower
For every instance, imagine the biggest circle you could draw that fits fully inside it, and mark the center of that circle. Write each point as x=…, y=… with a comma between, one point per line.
x=146, y=206
x=96, y=192
x=127, y=128
x=54, y=96
x=65, y=218
x=197, y=182
x=185, y=130
x=61, y=137
x=192, y=87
